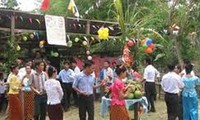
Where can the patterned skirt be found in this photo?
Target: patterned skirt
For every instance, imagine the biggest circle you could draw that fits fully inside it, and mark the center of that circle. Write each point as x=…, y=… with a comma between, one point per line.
x=15, y=107
x=28, y=105
x=55, y=112
x=118, y=113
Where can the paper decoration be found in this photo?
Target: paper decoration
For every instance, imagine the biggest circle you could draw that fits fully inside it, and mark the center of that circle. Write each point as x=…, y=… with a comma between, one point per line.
x=30, y=20
x=38, y=21
x=31, y=36
x=103, y=33
x=55, y=29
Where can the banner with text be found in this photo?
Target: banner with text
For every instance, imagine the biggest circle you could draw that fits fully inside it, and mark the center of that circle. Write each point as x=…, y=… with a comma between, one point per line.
x=55, y=30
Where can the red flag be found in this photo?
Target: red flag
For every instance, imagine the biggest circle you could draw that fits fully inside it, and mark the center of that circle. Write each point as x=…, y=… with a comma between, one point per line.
x=45, y=5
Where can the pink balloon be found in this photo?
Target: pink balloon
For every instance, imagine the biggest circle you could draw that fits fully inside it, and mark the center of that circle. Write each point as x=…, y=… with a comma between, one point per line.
x=130, y=43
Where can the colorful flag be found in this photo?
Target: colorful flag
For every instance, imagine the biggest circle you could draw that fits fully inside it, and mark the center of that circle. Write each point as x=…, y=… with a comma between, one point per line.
x=73, y=8
x=45, y=5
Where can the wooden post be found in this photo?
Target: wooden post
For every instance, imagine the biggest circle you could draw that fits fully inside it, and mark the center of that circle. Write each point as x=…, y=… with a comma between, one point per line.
x=88, y=27
x=12, y=27
x=136, y=105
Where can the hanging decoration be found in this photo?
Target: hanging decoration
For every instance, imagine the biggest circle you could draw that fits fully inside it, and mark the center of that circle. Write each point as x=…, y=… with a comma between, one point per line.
x=84, y=43
x=73, y=8
x=24, y=38
x=41, y=44
x=103, y=33
x=76, y=39
x=89, y=57
x=87, y=52
x=45, y=5
x=69, y=43
x=148, y=45
x=38, y=21
x=54, y=54
x=127, y=57
x=31, y=36
x=18, y=48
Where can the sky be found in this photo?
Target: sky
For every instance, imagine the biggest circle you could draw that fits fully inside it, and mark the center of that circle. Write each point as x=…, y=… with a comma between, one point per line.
x=28, y=5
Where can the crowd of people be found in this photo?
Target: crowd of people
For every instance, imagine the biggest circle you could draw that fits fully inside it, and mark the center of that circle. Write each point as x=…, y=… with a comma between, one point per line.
x=38, y=88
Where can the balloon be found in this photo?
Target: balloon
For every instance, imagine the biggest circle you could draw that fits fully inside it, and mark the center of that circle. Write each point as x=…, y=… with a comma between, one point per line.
x=144, y=46
x=41, y=46
x=56, y=54
x=143, y=42
x=89, y=57
x=87, y=52
x=152, y=45
x=148, y=50
x=69, y=43
x=31, y=36
x=76, y=39
x=148, y=41
x=130, y=43
x=85, y=43
x=18, y=48
x=24, y=38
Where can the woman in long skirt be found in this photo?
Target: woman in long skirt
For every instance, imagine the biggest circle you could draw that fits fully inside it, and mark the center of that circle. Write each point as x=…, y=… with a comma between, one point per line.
x=15, y=106
x=28, y=95
x=54, y=95
x=118, y=93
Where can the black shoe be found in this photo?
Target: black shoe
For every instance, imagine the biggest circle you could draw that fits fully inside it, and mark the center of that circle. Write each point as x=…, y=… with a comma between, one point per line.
x=153, y=110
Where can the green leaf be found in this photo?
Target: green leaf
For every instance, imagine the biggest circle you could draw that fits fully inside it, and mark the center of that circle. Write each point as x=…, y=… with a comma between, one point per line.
x=159, y=56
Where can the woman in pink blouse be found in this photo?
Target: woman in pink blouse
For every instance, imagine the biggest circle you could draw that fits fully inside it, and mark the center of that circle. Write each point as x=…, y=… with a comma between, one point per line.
x=118, y=93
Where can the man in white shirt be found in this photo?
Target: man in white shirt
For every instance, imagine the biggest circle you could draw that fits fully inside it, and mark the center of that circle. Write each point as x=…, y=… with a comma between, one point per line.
x=171, y=84
x=75, y=68
x=67, y=77
x=150, y=73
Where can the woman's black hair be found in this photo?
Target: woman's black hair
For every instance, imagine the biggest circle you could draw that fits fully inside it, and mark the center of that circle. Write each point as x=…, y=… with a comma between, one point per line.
x=13, y=66
x=120, y=69
x=188, y=68
x=51, y=70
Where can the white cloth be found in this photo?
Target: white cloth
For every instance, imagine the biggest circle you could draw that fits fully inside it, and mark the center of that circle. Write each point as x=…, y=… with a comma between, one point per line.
x=54, y=91
x=171, y=83
x=183, y=73
x=76, y=70
x=105, y=103
x=22, y=72
x=150, y=72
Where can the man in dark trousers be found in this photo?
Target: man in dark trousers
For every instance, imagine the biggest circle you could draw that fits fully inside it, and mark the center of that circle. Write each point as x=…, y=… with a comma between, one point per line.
x=67, y=77
x=84, y=85
x=171, y=84
x=150, y=73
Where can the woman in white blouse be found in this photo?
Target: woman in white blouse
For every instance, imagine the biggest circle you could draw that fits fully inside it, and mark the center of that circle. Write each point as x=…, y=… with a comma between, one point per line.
x=54, y=95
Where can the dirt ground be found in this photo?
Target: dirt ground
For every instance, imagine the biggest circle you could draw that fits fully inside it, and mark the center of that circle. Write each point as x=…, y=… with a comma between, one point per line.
x=72, y=114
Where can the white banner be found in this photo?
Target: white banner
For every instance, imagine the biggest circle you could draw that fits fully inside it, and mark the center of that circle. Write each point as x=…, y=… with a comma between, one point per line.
x=55, y=30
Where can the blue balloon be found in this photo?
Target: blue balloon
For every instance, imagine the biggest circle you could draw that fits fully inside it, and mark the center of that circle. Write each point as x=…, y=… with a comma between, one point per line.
x=148, y=41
